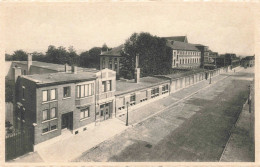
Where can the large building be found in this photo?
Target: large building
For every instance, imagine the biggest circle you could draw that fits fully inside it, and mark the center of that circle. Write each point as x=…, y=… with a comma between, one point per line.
x=64, y=101
x=184, y=55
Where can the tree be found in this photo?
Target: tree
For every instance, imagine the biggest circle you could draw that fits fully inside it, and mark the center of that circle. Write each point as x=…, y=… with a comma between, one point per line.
x=154, y=55
x=38, y=56
x=57, y=55
x=73, y=57
x=8, y=57
x=19, y=55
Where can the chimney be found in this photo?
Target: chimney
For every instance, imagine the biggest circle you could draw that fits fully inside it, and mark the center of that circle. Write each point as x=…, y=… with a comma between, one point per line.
x=16, y=72
x=74, y=69
x=137, y=70
x=29, y=62
x=66, y=67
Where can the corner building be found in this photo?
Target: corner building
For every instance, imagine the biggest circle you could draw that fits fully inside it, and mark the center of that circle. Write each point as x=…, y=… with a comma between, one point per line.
x=64, y=102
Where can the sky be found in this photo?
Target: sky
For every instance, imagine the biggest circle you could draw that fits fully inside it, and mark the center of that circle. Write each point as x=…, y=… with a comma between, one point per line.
x=33, y=27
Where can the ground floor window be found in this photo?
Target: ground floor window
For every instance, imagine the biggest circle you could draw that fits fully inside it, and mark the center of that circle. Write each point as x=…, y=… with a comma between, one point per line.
x=165, y=89
x=84, y=113
x=154, y=92
x=132, y=100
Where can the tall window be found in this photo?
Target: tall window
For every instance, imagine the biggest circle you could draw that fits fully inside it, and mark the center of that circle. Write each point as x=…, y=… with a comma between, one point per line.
x=53, y=113
x=66, y=91
x=109, y=85
x=44, y=115
x=23, y=92
x=84, y=113
x=85, y=90
x=110, y=63
x=53, y=94
x=132, y=100
x=45, y=95
x=103, y=86
x=103, y=63
x=115, y=60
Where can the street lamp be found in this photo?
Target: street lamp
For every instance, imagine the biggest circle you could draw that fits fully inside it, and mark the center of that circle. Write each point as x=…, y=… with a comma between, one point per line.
x=209, y=77
x=127, y=103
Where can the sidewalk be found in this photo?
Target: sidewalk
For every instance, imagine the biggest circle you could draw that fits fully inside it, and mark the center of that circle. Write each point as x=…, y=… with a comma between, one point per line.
x=240, y=147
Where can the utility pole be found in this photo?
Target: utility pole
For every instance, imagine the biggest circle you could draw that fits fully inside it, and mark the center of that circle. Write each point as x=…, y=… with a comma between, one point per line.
x=127, y=103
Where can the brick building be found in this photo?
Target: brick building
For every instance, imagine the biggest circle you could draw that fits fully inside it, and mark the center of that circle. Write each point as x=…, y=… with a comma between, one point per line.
x=67, y=101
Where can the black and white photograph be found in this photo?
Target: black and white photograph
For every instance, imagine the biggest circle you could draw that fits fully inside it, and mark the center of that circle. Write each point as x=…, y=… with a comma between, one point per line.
x=130, y=82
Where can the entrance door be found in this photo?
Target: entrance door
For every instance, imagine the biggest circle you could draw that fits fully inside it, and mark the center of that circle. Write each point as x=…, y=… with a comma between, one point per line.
x=104, y=111
x=67, y=121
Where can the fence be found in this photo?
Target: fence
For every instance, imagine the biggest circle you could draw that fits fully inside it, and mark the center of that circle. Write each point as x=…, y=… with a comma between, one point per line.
x=19, y=142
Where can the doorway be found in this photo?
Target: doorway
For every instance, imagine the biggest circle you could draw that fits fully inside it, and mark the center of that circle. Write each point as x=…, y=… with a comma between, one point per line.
x=67, y=121
x=104, y=111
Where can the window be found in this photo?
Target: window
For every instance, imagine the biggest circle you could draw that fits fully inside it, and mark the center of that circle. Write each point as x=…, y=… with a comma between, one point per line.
x=23, y=91
x=154, y=92
x=45, y=130
x=45, y=95
x=115, y=60
x=109, y=85
x=53, y=127
x=53, y=113
x=24, y=72
x=85, y=90
x=110, y=63
x=132, y=100
x=53, y=94
x=165, y=89
x=103, y=63
x=84, y=113
x=103, y=86
x=180, y=61
x=66, y=91
x=44, y=115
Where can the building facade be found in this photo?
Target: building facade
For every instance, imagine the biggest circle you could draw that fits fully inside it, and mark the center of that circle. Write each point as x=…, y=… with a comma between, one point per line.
x=60, y=102
x=185, y=55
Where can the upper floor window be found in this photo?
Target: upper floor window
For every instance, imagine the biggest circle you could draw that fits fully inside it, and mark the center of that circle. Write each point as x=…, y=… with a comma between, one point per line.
x=23, y=92
x=110, y=63
x=154, y=92
x=45, y=95
x=106, y=86
x=66, y=91
x=115, y=60
x=165, y=89
x=53, y=113
x=53, y=94
x=85, y=90
x=103, y=63
x=44, y=115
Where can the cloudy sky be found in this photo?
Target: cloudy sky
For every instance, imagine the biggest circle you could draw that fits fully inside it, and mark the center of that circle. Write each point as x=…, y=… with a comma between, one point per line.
x=33, y=27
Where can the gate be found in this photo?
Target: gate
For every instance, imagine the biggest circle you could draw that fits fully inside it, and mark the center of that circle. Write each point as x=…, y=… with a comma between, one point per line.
x=19, y=143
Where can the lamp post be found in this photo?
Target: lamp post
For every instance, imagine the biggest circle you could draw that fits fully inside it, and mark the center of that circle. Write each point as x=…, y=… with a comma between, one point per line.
x=127, y=103
x=209, y=77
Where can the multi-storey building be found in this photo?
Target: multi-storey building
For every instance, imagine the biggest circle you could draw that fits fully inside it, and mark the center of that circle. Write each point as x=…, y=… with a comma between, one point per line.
x=204, y=54
x=70, y=101
x=185, y=55
x=111, y=59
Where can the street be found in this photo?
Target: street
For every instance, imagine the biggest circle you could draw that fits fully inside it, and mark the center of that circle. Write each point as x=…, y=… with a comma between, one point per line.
x=194, y=124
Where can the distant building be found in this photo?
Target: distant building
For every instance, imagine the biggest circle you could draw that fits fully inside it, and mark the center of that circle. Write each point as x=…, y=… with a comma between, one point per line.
x=184, y=55
x=248, y=61
x=204, y=54
x=111, y=59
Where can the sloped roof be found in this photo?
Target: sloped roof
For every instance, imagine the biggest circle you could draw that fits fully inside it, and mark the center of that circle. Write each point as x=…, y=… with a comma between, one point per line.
x=116, y=51
x=178, y=38
x=176, y=45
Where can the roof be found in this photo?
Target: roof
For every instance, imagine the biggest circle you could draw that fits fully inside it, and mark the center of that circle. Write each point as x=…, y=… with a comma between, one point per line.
x=60, y=78
x=176, y=45
x=128, y=86
x=51, y=66
x=114, y=52
x=178, y=38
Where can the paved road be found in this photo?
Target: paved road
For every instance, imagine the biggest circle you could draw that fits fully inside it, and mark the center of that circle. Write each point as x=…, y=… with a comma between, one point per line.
x=195, y=129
